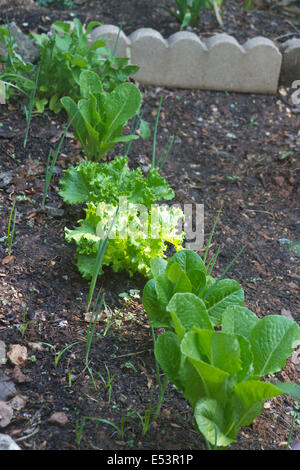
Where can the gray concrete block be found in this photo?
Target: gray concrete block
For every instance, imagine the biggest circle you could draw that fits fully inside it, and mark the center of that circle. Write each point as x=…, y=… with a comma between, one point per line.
x=149, y=50
x=290, y=70
x=184, y=61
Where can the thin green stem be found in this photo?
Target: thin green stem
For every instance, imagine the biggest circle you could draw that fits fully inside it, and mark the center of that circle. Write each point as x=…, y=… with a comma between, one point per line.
x=99, y=259
x=155, y=133
x=11, y=230
x=28, y=112
x=210, y=236
x=49, y=169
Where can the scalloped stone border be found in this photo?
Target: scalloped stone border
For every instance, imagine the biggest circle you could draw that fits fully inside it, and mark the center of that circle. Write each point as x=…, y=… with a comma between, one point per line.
x=290, y=70
x=220, y=63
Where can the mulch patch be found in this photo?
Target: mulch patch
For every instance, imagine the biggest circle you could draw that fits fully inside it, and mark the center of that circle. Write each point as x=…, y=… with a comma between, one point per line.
x=234, y=152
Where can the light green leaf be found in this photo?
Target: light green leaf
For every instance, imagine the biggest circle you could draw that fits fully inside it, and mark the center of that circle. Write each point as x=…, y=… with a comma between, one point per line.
x=120, y=106
x=144, y=129
x=90, y=83
x=190, y=310
x=157, y=312
x=92, y=121
x=78, y=61
x=225, y=352
x=289, y=388
x=92, y=25
x=168, y=354
x=174, y=271
x=164, y=289
x=40, y=104
x=212, y=377
x=226, y=292
x=272, y=341
x=188, y=260
x=246, y=359
x=248, y=400
x=97, y=44
x=75, y=185
x=61, y=27
x=209, y=417
x=238, y=320
x=158, y=266
x=80, y=131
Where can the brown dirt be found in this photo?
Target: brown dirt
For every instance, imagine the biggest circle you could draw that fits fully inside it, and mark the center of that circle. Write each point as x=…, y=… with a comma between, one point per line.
x=228, y=154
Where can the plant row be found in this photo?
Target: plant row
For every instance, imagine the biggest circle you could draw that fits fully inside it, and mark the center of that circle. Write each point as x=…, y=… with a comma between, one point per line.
x=213, y=348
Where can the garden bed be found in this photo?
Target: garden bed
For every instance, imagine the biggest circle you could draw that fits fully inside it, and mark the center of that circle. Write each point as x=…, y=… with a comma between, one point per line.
x=232, y=152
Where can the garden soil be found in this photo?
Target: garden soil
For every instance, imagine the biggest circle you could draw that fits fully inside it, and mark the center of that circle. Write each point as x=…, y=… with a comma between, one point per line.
x=234, y=153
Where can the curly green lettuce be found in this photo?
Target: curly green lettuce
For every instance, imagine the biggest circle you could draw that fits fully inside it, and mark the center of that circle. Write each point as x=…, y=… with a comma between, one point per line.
x=137, y=236
x=106, y=182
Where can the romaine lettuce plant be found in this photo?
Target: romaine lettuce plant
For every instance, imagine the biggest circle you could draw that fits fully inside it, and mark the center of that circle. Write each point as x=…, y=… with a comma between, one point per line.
x=63, y=57
x=99, y=116
x=141, y=227
x=186, y=272
x=219, y=371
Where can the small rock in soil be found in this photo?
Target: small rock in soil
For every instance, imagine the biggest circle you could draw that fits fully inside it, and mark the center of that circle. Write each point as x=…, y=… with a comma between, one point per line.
x=7, y=387
x=18, y=402
x=2, y=352
x=295, y=445
x=17, y=354
x=54, y=211
x=59, y=418
x=7, y=443
x=8, y=260
x=287, y=313
x=18, y=376
x=36, y=346
x=5, y=178
x=29, y=51
x=6, y=414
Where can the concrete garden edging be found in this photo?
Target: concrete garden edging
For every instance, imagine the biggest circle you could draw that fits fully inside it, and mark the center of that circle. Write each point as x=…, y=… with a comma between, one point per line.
x=290, y=70
x=220, y=63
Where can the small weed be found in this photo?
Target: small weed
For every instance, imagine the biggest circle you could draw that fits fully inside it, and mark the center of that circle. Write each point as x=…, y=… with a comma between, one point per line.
x=253, y=122
x=129, y=365
x=233, y=177
x=133, y=294
x=58, y=355
x=107, y=382
x=25, y=324
x=33, y=359
x=11, y=227
x=285, y=154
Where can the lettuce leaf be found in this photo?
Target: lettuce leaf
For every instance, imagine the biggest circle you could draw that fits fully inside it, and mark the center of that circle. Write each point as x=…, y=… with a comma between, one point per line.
x=131, y=247
x=106, y=182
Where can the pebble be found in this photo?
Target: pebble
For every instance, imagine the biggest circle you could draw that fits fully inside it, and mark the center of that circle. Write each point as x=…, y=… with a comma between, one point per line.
x=7, y=387
x=6, y=414
x=7, y=443
x=2, y=352
x=17, y=354
x=284, y=241
x=231, y=136
x=59, y=417
x=54, y=211
x=5, y=179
